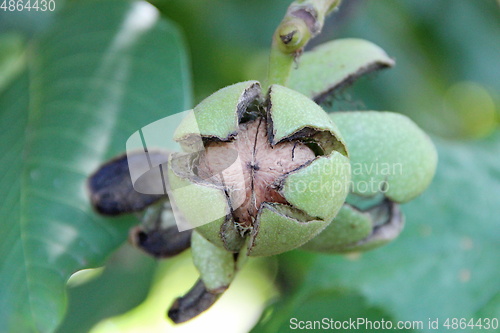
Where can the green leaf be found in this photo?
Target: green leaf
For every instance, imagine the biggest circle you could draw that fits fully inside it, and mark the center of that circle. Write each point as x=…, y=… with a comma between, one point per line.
x=327, y=310
x=15, y=315
x=445, y=263
x=335, y=64
x=12, y=58
x=123, y=285
x=95, y=80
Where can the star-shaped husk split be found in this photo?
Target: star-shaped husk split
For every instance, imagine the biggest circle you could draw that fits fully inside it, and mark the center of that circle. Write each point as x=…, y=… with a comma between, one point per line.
x=274, y=170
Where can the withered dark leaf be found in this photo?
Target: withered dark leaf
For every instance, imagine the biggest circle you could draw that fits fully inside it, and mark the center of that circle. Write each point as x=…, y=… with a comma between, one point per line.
x=161, y=243
x=111, y=189
x=197, y=300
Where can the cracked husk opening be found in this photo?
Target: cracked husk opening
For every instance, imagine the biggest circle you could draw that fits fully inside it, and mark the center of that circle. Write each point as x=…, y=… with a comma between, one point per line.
x=253, y=178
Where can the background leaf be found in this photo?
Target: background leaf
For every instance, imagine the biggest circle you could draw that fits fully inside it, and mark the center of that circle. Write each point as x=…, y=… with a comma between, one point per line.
x=15, y=314
x=102, y=71
x=123, y=285
x=12, y=60
x=444, y=264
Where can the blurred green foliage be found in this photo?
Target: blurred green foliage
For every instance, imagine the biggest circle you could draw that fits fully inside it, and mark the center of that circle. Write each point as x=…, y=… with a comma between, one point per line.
x=446, y=78
x=436, y=44
x=94, y=79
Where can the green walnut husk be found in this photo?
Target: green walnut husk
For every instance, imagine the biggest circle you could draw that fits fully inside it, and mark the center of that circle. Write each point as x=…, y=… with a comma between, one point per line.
x=217, y=266
x=296, y=144
x=336, y=64
x=405, y=155
x=393, y=161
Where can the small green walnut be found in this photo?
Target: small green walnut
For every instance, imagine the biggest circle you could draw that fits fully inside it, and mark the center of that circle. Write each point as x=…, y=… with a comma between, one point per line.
x=274, y=170
x=393, y=161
